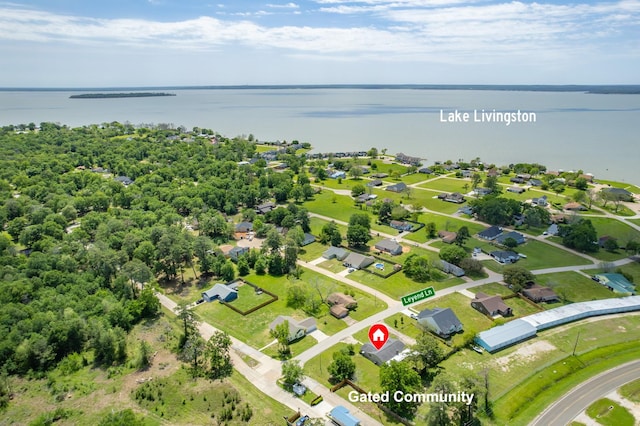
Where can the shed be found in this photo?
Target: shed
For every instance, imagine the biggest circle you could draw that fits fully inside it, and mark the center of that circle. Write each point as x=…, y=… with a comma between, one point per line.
x=505, y=335
x=341, y=416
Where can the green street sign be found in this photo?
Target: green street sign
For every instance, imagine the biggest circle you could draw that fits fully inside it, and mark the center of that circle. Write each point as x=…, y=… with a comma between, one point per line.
x=418, y=295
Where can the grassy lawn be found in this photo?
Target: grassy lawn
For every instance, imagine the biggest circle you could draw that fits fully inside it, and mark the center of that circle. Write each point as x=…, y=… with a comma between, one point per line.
x=316, y=225
x=448, y=185
x=631, y=391
x=247, y=298
x=614, y=228
x=339, y=207
x=628, y=187
x=254, y=328
x=423, y=197
x=296, y=347
x=312, y=251
x=636, y=221
x=404, y=325
x=472, y=320
x=493, y=288
x=265, y=148
x=412, y=178
x=332, y=265
x=520, y=308
x=573, y=287
x=610, y=413
x=398, y=284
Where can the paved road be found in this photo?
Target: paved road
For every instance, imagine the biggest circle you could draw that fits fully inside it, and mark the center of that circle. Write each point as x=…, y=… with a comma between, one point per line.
x=564, y=410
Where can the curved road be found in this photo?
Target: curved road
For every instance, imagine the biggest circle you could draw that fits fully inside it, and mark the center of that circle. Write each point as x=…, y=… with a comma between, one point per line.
x=564, y=410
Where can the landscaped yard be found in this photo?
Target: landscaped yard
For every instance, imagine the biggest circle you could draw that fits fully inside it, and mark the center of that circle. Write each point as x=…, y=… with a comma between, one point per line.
x=614, y=228
x=404, y=324
x=493, y=289
x=520, y=308
x=422, y=197
x=312, y=251
x=443, y=223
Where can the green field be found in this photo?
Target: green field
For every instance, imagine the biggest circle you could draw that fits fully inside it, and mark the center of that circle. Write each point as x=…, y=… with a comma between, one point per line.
x=631, y=391
x=636, y=221
x=423, y=197
x=404, y=324
x=448, y=185
x=312, y=251
x=613, y=228
x=493, y=288
x=609, y=413
x=573, y=287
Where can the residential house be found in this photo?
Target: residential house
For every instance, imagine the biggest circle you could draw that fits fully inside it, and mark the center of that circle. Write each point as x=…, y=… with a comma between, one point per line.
x=375, y=182
x=540, y=201
x=481, y=191
x=441, y=321
x=619, y=193
x=337, y=174
x=236, y=252
x=500, y=239
x=244, y=227
x=265, y=208
x=425, y=170
x=525, y=176
x=335, y=253
x=466, y=210
x=505, y=256
x=390, y=349
x=379, y=175
x=358, y=261
x=389, y=246
x=398, y=187
x=340, y=416
x=490, y=305
x=449, y=268
x=490, y=233
x=297, y=329
x=401, y=225
x=516, y=189
x=466, y=173
x=535, y=182
x=553, y=229
x=125, y=180
x=447, y=236
x=406, y=159
x=221, y=292
x=308, y=239
x=493, y=172
x=574, y=207
x=454, y=197
x=537, y=293
x=587, y=176
x=602, y=240
x=516, y=180
x=342, y=299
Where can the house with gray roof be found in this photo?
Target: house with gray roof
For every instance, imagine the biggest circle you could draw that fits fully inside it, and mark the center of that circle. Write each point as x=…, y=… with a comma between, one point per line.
x=375, y=182
x=125, y=180
x=297, y=329
x=505, y=256
x=236, y=252
x=390, y=349
x=518, y=237
x=335, y=253
x=449, y=268
x=491, y=233
x=308, y=239
x=358, y=261
x=390, y=246
x=398, y=187
x=341, y=416
x=619, y=193
x=540, y=201
x=440, y=321
x=221, y=292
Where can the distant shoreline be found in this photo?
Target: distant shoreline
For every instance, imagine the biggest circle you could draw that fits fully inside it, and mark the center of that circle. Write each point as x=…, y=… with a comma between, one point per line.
x=633, y=89
x=119, y=95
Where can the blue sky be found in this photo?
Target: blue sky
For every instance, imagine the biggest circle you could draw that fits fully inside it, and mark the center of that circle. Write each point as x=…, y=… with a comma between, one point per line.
x=73, y=43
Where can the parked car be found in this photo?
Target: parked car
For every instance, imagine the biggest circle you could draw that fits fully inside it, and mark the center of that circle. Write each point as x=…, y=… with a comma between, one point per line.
x=302, y=420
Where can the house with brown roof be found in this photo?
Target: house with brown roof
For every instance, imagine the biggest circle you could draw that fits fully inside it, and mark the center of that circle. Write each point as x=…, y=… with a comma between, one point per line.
x=537, y=293
x=575, y=207
x=341, y=304
x=447, y=236
x=490, y=305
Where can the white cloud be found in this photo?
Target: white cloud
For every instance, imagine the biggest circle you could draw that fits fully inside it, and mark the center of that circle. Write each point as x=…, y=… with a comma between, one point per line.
x=283, y=6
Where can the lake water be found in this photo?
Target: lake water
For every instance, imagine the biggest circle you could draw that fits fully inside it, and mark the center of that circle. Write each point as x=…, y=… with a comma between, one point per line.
x=596, y=133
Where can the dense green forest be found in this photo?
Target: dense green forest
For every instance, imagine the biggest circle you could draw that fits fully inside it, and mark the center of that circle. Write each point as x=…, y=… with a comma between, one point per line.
x=82, y=245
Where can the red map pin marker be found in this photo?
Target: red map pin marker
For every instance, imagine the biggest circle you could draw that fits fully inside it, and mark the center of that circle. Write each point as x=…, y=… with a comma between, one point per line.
x=378, y=335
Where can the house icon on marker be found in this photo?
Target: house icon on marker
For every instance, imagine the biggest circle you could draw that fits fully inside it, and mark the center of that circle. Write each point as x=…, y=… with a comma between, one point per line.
x=378, y=336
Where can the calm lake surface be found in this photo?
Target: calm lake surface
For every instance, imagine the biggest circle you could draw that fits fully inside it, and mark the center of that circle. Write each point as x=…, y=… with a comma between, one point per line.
x=597, y=133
